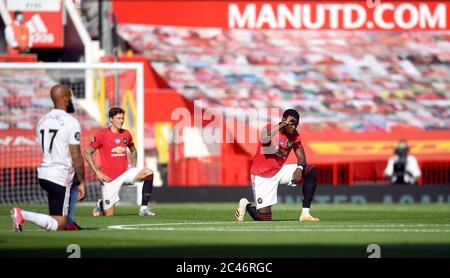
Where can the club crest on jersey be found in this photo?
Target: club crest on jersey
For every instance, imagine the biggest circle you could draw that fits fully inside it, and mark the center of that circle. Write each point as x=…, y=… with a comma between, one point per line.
x=289, y=144
x=125, y=141
x=260, y=200
x=77, y=136
x=117, y=141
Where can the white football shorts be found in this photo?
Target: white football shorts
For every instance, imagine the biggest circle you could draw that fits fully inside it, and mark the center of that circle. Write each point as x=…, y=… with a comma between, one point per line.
x=265, y=189
x=110, y=190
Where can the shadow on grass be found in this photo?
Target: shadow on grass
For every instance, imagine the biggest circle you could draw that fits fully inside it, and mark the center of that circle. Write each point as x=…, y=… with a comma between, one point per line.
x=242, y=251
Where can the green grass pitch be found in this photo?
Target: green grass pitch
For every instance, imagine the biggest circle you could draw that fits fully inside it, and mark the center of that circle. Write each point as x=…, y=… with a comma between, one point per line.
x=209, y=230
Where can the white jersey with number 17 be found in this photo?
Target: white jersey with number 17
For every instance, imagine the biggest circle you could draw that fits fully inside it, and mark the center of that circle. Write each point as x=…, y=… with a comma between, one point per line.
x=55, y=132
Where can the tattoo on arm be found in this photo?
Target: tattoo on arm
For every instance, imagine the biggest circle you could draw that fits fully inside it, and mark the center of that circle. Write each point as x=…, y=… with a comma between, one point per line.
x=133, y=156
x=88, y=157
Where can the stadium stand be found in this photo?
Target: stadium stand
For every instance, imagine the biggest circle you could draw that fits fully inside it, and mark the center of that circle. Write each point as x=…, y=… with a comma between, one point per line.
x=398, y=85
x=333, y=77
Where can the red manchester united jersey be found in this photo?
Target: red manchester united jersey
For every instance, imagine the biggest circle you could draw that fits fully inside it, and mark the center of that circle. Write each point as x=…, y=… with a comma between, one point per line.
x=113, y=150
x=269, y=159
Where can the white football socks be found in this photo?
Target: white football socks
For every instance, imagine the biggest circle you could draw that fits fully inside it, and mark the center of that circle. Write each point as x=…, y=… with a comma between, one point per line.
x=144, y=207
x=305, y=210
x=42, y=220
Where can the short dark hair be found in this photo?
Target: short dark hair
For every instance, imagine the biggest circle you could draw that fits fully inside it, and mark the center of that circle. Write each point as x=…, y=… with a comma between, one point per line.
x=291, y=112
x=402, y=148
x=115, y=110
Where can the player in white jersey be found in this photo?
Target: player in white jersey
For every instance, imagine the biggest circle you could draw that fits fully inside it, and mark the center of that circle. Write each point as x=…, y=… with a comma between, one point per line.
x=59, y=137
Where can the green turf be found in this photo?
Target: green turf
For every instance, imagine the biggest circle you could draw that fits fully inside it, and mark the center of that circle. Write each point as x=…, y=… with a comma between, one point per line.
x=209, y=230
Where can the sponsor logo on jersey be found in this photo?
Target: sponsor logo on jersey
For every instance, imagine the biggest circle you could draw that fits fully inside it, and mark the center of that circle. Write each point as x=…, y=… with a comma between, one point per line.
x=117, y=141
x=260, y=200
x=281, y=143
x=118, y=151
x=77, y=136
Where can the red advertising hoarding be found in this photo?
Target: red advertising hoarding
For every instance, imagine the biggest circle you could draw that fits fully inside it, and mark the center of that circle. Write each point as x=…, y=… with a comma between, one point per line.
x=373, y=15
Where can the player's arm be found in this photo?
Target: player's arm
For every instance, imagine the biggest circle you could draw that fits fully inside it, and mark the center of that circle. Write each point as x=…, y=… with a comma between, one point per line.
x=268, y=134
x=88, y=157
x=301, y=162
x=78, y=165
x=9, y=36
x=133, y=155
x=77, y=157
x=412, y=166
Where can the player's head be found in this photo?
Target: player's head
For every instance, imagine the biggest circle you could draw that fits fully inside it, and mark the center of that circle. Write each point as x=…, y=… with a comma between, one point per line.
x=62, y=98
x=18, y=16
x=402, y=148
x=291, y=117
x=116, y=117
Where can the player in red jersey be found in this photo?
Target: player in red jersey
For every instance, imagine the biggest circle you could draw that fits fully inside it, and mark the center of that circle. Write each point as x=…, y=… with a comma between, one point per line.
x=269, y=170
x=112, y=142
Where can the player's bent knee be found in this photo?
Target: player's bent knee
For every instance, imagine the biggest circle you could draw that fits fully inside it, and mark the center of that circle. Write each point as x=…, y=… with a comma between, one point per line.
x=61, y=220
x=312, y=170
x=146, y=172
x=109, y=212
x=265, y=216
x=265, y=210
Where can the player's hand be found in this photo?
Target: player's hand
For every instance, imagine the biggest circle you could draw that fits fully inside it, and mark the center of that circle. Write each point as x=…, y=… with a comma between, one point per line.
x=289, y=120
x=81, y=191
x=297, y=176
x=102, y=177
